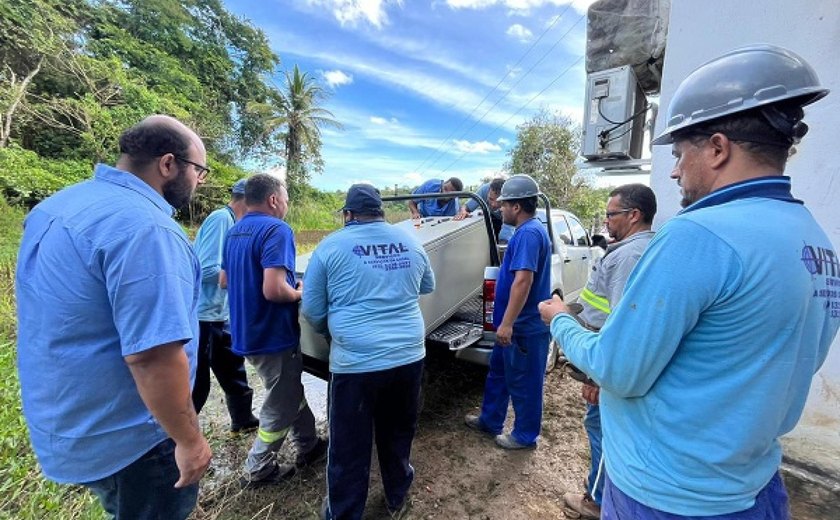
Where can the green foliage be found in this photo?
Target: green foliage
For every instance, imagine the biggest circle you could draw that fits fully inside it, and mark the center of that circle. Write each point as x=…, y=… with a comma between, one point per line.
x=590, y=204
x=293, y=112
x=25, y=177
x=312, y=210
x=546, y=148
x=74, y=74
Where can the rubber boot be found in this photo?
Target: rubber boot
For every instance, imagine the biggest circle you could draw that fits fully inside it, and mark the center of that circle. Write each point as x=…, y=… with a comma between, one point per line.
x=241, y=417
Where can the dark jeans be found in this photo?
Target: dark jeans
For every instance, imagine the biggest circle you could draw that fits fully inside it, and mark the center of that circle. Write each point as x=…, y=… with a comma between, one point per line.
x=771, y=503
x=214, y=352
x=363, y=406
x=144, y=490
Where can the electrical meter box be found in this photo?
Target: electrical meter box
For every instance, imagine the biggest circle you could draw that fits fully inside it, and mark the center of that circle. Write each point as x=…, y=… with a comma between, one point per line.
x=614, y=116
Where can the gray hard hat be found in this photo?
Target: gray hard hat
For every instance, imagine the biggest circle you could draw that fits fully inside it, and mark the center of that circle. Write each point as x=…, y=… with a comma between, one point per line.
x=519, y=186
x=746, y=78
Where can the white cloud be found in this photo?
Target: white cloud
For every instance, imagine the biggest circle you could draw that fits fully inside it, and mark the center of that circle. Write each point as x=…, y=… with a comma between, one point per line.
x=442, y=90
x=475, y=147
x=336, y=78
x=503, y=142
x=350, y=12
x=277, y=171
x=518, y=5
x=413, y=177
x=383, y=121
x=520, y=32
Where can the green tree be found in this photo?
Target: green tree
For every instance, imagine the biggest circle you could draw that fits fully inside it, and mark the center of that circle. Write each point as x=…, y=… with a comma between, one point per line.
x=294, y=112
x=31, y=33
x=546, y=148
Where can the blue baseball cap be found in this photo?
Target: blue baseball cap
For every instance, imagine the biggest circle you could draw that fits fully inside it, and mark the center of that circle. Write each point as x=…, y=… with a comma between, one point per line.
x=239, y=187
x=362, y=198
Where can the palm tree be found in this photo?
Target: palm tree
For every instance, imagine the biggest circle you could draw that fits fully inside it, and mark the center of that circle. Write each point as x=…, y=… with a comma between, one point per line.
x=294, y=111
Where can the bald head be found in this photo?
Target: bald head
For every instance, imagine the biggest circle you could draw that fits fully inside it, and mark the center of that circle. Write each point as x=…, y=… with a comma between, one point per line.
x=156, y=136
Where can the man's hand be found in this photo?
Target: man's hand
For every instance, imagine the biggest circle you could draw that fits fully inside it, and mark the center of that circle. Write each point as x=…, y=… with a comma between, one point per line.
x=591, y=394
x=415, y=214
x=551, y=308
x=504, y=334
x=462, y=214
x=162, y=376
x=193, y=459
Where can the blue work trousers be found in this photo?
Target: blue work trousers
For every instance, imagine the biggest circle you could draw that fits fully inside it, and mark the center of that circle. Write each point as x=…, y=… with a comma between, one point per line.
x=381, y=405
x=771, y=503
x=592, y=424
x=144, y=490
x=517, y=373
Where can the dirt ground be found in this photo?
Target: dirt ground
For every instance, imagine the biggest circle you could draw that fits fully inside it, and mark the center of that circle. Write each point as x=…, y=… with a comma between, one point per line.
x=459, y=473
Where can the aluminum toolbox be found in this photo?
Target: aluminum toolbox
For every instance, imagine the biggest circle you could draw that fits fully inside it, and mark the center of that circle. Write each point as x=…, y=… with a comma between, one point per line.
x=458, y=252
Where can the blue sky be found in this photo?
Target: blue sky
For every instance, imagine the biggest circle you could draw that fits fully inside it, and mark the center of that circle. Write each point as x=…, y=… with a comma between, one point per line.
x=427, y=88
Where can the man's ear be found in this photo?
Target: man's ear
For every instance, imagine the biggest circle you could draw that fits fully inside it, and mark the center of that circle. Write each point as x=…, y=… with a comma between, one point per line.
x=167, y=166
x=719, y=149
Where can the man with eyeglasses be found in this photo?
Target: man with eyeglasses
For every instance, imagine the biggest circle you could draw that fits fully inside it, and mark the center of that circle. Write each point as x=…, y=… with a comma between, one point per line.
x=107, y=293
x=728, y=309
x=629, y=217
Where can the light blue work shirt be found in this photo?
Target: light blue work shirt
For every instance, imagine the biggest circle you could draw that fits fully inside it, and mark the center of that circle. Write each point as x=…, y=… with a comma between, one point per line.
x=363, y=283
x=103, y=272
x=483, y=193
x=431, y=207
x=209, y=241
x=708, y=358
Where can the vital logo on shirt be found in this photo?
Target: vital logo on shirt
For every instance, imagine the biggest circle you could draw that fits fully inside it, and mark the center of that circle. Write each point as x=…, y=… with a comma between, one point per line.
x=387, y=257
x=380, y=249
x=819, y=260
x=822, y=261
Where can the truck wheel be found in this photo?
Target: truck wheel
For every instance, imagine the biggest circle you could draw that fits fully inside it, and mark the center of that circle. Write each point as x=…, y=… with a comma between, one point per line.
x=553, y=351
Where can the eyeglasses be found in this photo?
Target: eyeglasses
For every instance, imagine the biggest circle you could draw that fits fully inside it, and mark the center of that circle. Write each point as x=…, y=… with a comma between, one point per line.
x=201, y=171
x=611, y=214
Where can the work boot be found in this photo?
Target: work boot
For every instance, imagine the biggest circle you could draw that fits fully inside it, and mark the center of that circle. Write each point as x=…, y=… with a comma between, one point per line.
x=277, y=474
x=316, y=454
x=582, y=506
x=242, y=419
x=400, y=512
x=473, y=422
x=507, y=442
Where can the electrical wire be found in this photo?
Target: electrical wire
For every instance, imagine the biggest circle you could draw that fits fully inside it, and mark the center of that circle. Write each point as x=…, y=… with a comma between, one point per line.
x=503, y=123
x=439, y=148
x=440, y=151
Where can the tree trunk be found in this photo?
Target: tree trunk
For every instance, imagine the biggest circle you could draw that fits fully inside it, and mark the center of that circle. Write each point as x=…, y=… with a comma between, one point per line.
x=18, y=92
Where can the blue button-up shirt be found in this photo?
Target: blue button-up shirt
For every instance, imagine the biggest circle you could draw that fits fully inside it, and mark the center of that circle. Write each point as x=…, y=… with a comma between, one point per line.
x=103, y=272
x=209, y=242
x=432, y=207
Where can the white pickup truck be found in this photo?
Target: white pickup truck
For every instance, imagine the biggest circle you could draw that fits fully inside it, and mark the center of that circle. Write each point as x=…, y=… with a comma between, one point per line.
x=457, y=313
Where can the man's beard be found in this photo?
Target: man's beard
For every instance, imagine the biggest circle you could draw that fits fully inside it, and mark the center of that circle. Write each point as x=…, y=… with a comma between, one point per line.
x=178, y=191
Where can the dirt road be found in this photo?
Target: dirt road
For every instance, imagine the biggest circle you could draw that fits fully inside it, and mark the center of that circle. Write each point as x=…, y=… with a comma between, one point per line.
x=459, y=473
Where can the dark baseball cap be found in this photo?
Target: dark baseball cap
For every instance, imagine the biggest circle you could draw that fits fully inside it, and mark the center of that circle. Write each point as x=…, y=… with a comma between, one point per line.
x=239, y=187
x=362, y=198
